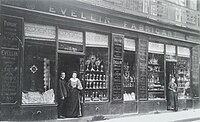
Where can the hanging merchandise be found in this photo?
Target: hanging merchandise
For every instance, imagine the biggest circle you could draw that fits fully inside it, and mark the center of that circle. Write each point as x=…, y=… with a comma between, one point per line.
x=46, y=74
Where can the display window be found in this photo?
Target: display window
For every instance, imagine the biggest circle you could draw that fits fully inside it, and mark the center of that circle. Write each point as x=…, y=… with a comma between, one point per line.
x=96, y=68
x=129, y=70
x=39, y=72
x=183, y=73
x=156, y=71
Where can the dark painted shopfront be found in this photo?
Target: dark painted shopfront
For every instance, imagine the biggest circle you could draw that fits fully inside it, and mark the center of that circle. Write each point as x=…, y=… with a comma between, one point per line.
x=124, y=64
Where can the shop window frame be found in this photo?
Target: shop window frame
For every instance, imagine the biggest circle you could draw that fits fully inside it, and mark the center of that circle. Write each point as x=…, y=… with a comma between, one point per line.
x=135, y=66
x=190, y=70
x=31, y=40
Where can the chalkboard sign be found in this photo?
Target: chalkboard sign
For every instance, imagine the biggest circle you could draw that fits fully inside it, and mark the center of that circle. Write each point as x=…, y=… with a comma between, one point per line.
x=195, y=71
x=117, y=62
x=10, y=48
x=142, y=60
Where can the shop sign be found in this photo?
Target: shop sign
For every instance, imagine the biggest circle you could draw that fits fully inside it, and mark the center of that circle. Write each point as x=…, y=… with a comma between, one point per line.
x=86, y=15
x=117, y=49
x=195, y=70
x=10, y=55
x=98, y=18
x=160, y=10
x=39, y=31
x=70, y=36
x=68, y=47
x=96, y=40
x=142, y=81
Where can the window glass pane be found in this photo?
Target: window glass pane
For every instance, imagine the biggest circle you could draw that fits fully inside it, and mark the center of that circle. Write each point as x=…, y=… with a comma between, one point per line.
x=156, y=48
x=70, y=36
x=96, y=69
x=193, y=4
x=96, y=40
x=39, y=31
x=170, y=50
x=184, y=52
x=39, y=73
x=183, y=78
x=129, y=44
x=156, y=76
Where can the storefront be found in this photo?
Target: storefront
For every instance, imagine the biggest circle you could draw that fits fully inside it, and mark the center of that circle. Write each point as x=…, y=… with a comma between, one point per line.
x=124, y=65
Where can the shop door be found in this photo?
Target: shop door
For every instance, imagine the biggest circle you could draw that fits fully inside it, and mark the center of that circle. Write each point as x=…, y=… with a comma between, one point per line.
x=170, y=70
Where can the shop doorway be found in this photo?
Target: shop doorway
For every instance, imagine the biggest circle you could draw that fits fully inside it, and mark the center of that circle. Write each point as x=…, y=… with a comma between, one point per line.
x=69, y=63
x=170, y=70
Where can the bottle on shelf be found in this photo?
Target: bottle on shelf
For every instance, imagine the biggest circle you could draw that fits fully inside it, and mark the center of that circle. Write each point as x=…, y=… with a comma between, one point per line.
x=93, y=85
x=101, y=68
x=97, y=77
x=100, y=77
x=104, y=77
x=94, y=77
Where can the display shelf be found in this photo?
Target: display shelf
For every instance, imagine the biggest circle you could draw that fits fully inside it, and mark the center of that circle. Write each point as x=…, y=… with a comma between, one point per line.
x=96, y=78
x=128, y=87
x=156, y=71
x=95, y=88
x=152, y=90
x=183, y=77
x=160, y=92
x=129, y=76
x=155, y=75
x=153, y=64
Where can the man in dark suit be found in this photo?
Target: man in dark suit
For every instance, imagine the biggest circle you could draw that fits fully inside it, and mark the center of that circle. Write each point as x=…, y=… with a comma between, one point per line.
x=62, y=95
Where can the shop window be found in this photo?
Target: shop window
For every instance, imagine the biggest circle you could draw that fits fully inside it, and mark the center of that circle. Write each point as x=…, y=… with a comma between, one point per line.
x=183, y=73
x=129, y=70
x=39, y=72
x=96, y=68
x=156, y=71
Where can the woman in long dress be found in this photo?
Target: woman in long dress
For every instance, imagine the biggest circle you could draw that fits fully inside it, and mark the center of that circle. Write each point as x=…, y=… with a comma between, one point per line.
x=173, y=94
x=73, y=108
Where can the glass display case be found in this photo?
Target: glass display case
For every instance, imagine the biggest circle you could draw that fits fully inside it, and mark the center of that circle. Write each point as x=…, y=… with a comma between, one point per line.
x=129, y=75
x=156, y=76
x=96, y=76
x=183, y=77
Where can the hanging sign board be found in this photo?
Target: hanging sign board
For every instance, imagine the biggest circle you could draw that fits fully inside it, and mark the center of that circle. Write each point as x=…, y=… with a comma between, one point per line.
x=142, y=59
x=117, y=62
x=10, y=55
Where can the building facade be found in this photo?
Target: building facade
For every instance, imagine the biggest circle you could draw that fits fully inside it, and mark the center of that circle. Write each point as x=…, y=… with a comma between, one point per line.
x=125, y=52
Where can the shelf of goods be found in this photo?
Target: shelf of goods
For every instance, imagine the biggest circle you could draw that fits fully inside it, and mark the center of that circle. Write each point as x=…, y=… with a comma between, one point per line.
x=95, y=86
x=155, y=86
